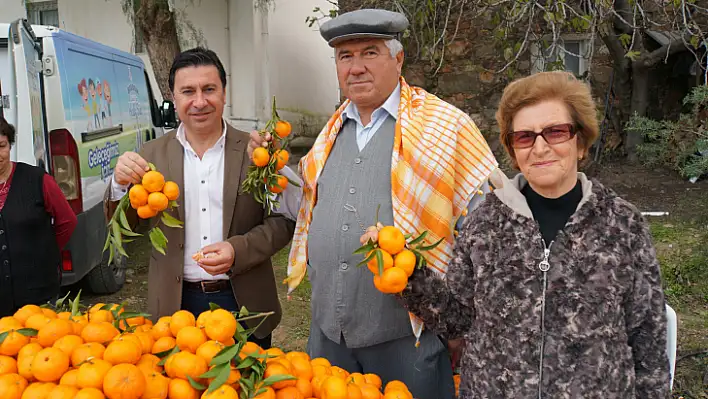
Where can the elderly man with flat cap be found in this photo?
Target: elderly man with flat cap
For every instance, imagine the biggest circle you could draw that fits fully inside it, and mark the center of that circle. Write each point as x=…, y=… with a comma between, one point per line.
x=423, y=161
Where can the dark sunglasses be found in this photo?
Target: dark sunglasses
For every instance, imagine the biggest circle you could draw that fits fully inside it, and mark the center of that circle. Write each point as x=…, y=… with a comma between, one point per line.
x=555, y=134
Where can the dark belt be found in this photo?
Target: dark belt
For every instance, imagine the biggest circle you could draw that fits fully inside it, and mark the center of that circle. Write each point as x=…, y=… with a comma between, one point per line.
x=209, y=286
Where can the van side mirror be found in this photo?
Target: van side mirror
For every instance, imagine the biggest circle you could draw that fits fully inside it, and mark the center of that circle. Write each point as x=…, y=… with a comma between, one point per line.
x=169, y=116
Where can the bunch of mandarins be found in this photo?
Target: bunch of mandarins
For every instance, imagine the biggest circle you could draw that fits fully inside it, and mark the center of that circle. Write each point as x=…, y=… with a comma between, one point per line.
x=263, y=179
x=153, y=195
x=391, y=257
x=107, y=352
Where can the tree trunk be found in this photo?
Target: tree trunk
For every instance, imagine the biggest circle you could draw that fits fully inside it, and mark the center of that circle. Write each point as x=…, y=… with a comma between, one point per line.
x=158, y=27
x=639, y=105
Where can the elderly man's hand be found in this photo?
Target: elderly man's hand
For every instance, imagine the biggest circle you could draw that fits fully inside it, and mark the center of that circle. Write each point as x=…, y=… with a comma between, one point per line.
x=217, y=258
x=372, y=232
x=256, y=140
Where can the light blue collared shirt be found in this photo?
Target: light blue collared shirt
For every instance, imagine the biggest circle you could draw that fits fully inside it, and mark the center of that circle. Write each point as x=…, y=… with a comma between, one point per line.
x=365, y=133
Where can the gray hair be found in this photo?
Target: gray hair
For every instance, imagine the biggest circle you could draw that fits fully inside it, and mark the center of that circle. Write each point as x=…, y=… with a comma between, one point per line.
x=394, y=47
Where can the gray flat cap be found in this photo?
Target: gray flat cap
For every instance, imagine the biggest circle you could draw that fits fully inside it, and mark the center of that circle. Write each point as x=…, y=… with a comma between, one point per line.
x=363, y=24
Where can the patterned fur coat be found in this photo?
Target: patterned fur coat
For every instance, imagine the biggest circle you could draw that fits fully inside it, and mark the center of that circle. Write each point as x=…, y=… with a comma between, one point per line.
x=592, y=325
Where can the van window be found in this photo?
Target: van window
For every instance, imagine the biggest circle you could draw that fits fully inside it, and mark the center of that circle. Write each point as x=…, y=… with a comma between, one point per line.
x=154, y=107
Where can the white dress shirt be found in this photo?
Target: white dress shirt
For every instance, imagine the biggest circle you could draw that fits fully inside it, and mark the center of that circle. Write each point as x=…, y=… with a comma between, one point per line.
x=203, y=193
x=365, y=133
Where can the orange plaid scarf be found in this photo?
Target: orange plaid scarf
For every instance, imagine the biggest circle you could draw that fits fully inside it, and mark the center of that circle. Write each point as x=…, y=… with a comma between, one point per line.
x=440, y=159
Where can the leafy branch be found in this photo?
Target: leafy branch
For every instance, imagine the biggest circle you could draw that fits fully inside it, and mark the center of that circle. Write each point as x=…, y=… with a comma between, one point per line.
x=262, y=181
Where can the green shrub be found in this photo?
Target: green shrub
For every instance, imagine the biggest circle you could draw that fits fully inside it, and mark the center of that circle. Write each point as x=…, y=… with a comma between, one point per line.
x=681, y=145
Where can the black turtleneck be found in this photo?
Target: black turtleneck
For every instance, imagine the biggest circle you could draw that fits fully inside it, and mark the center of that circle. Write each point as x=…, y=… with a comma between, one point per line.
x=552, y=213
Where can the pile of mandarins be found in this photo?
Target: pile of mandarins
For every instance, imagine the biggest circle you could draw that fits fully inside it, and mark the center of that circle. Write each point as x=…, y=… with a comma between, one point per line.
x=391, y=257
x=109, y=353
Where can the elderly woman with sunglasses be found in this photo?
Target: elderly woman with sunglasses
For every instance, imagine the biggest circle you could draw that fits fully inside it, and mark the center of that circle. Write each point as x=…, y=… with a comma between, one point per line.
x=554, y=282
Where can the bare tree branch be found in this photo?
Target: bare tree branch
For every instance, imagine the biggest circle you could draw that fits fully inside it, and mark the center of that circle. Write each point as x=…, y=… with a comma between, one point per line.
x=672, y=47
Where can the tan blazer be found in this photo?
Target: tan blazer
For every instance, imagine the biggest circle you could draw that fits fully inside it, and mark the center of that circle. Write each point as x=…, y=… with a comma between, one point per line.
x=254, y=236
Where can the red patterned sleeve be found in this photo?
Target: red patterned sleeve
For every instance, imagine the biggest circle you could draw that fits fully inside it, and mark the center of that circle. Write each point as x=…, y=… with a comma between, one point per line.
x=56, y=205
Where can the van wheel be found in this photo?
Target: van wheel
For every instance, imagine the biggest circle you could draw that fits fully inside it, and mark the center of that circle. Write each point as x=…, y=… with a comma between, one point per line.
x=107, y=278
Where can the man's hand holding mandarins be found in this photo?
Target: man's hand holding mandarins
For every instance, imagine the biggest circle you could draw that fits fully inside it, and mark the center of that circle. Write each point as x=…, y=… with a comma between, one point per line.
x=217, y=258
x=130, y=168
x=258, y=141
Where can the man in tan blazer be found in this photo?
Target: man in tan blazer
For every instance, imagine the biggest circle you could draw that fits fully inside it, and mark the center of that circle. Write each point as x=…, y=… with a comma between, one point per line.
x=207, y=158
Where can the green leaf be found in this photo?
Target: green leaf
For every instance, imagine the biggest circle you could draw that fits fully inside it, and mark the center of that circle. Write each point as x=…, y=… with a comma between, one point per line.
x=117, y=237
x=108, y=242
x=130, y=315
x=431, y=246
x=116, y=310
x=247, y=362
x=171, y=221
x=213, y=306
x=129, y=233
x=243, y=312
x=215, y=371
x=695, y=41
x=195, y=384
x=365, y=249
x=60, y=301
x=277, y=378
x=106, y=307
x=118, y=246
x=625, y=39
x=123, y=220
x=28, y=332
x=367, y=259
x=419, y=259
x=111, y=251
x=166, y=354
x=221, y=378
x=75, y=305
x=157, y=240
x=380, y=261
x=419, y=238
x=3, y=336
x=226, y=355
x=632, y=55
x=152, y=166
x=240, y=335
x=246, y=384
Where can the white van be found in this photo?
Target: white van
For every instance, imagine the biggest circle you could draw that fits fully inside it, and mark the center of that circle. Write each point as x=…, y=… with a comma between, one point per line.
x=77, y=105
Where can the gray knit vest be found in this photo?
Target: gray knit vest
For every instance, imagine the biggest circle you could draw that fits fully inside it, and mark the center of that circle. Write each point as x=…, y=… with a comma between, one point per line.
x=344, y=299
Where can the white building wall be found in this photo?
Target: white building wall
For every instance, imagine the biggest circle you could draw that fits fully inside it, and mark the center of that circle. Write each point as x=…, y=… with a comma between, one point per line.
x=274, y=53
x=12, y=10
x=302, y=71
x=101, y=21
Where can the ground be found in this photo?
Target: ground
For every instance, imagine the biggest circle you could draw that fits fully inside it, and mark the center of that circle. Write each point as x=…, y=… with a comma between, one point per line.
x=680, y=239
